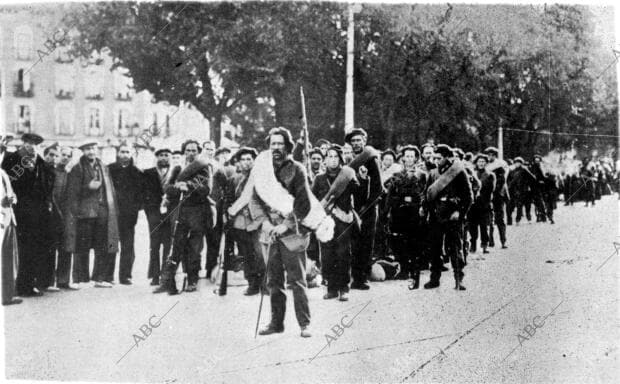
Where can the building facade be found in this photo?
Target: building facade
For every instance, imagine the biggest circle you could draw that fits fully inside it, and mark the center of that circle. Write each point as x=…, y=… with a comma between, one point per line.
x=67, y=100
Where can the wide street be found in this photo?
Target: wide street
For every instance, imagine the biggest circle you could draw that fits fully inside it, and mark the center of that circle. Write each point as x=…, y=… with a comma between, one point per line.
x=556, y=286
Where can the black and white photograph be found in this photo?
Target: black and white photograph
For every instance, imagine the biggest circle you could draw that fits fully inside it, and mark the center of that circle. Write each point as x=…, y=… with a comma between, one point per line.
x=310, y=191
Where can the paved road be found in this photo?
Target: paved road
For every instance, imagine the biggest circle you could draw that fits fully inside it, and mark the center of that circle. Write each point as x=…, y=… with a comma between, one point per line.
x=548, y=287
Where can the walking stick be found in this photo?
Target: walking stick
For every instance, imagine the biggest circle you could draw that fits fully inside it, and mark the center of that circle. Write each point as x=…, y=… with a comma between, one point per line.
x=262, y=291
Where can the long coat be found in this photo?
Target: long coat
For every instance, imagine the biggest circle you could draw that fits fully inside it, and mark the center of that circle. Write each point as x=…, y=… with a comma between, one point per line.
x=83, y=202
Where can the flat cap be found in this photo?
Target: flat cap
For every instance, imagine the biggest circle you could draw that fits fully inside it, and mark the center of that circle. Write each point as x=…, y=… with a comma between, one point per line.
x=32, y=138
x=355, y=132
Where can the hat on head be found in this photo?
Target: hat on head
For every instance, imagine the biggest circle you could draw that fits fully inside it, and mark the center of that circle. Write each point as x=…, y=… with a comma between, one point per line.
x=444, y=150
x=88, y=143
x=491, y=150
x=243, y=151
x=537, y=156
x=320, y=142
x=410, y=148
x=469, y=156
x=162, y=150
x=177, y=153
x=388, y=152
x=481, y=156
x=355, y=132
x=458, y=152
x=316, y=151
x=428, y=145
x=519, y=159
x=338, y=149
x=221, y=150
x=32, y=138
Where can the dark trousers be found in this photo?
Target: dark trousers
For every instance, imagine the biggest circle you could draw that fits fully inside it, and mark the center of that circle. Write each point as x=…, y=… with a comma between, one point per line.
x=92, y=233
x=336, y=256
x=187, y=247
x=539, y=205
x=213, y=237
x=159, y=236
x=294, y=263
x=9, y=263
x=450, y=233
x=362, y=244
x=127, y=230
x=33, y=240
x=253, y=264
x=520, y=204
x=63, y=264
x=479, y=220
x=498, y=219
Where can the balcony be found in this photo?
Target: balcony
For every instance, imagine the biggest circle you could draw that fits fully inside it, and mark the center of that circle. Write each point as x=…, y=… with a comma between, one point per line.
x=123, y=96
x=19, y=90
x=64, y=94
x=95, y=96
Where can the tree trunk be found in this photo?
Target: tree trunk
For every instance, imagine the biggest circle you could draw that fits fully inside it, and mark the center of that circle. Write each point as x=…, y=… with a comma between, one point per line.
x=215, y=124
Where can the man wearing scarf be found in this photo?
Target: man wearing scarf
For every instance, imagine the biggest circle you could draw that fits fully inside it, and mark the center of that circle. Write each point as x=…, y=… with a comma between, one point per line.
x=278, y=195
x=91, y=218
x=159, y=222
x=187, y=192
x=366, y=164
x=448, y=198
x=336, y=254
x=32, y=181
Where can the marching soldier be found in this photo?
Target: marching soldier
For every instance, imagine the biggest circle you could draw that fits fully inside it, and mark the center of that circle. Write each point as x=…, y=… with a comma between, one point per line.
x=336, y=254
x=500, y=194
x=481, y=210
x=366, y=164
x=187, y=191
x=405, y=201
x=448, y=198
x=537, y=189
x=520, y=180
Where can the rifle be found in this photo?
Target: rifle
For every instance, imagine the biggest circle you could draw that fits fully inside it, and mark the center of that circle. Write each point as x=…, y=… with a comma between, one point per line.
x=223, y=262
x=304, y=127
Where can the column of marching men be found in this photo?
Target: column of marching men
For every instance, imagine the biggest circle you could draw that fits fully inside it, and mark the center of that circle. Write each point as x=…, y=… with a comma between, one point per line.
x=354, y=215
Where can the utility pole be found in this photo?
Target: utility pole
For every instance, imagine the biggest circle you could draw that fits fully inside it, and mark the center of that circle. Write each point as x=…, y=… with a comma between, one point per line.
x=500, y=140
x=348, y=105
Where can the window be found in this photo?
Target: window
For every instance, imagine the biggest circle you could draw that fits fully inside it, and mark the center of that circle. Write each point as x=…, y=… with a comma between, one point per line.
x=64, y=119
x=23, y=43
x=61, y=55
x=64, y=81
x=122, y=122
x=94, y=82
x=23, y=85
x=123, y=84
x=94, y=126
x=23, y=120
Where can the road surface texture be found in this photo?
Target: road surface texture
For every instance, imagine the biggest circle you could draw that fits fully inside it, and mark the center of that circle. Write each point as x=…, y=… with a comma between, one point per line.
x=545, y=310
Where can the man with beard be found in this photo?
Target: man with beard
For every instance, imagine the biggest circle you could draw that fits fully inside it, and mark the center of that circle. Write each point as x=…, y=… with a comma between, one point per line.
x=32, y=181
x=244, y=229
x=127, y=179
x=63, y=266
x=405, y=201
x=187, y=192
x=538, y=189
x=157, y=215
x=279, y=197
x=91, y=218
x=448, y=198
x=336, y=253
x=500, y=194
x=366, y=164
x=481, y=210
x=347, y=153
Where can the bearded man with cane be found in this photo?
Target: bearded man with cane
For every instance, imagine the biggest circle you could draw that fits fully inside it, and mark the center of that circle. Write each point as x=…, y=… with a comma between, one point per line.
x=279, y=197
